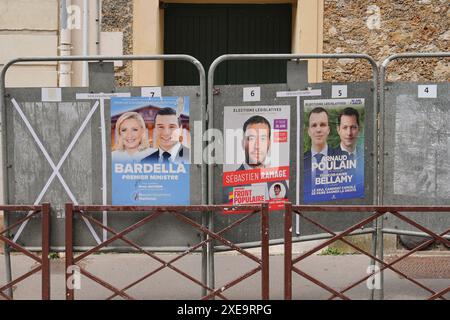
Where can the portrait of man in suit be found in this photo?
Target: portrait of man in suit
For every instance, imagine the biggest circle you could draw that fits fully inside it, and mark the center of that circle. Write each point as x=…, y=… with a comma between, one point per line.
x=256, y=143
x=334, y=162
x=168, y=128
x=348, y=129
x=318, y=131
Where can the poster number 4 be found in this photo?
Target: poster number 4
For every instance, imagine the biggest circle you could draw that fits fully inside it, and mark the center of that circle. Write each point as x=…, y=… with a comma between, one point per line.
x=427, y=91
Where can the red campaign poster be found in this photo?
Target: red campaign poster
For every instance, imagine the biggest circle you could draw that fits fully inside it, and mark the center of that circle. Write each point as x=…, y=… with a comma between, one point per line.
x=256, y=156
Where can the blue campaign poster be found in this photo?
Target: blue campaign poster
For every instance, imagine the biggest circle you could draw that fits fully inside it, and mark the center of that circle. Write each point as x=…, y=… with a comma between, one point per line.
x=150, y=139
x=333, y=159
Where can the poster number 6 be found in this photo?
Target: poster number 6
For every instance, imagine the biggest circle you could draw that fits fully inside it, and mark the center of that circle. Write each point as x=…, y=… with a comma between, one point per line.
x=252, y=94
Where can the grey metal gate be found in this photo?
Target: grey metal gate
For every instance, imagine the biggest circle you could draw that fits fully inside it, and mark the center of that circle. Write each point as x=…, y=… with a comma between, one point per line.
x=414, y=142
x=55, y=152
x=219, y=96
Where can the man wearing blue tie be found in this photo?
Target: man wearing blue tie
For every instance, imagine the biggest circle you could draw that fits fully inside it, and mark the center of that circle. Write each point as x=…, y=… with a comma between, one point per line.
x=348, y=129
x=314, y=160
x=168, y=139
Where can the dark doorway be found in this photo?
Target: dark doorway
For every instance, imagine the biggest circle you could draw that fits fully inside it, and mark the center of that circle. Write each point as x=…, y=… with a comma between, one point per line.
x=208, y=31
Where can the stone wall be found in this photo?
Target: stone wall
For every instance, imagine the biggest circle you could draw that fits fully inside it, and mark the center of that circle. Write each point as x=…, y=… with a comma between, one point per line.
x=384, y=27
x=378, y=28
x=117, y=16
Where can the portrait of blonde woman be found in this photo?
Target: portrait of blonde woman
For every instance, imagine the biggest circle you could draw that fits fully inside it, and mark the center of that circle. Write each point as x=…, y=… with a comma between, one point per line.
x=131, y=138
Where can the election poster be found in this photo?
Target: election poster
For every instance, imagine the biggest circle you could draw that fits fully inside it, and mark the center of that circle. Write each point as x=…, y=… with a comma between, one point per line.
x=150, y=140
x=256, y=155
x=333, y=158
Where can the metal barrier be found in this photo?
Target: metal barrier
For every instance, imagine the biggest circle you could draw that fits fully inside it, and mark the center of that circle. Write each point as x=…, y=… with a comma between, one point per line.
x=44, y=261
x=375, y=213
x=56, y=167
x=178, y=212
x=210, y=112
x=404, y=172
x=383, y=69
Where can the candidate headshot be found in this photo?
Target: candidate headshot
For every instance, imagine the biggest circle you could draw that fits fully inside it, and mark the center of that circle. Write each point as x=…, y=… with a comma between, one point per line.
x=348, y=129
x=318, y=129
x=168, y=137
x=256, y=142
x=131, y=137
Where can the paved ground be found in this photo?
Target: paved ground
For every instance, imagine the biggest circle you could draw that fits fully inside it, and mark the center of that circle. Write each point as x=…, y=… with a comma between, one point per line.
x=337, y=271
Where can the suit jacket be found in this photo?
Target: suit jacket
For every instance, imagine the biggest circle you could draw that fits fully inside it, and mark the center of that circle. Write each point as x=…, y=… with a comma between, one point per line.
x=183, y=156
x=358, y=172
x=307, y=160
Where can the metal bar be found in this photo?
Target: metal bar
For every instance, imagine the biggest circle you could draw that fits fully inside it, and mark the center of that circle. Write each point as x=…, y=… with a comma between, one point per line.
x=45, y=251
x=204, y=254
x=422, y=228
x=364, y=208
x=382, y=74
x=232, y=283
x=265, y=272
x=219, y=238
x=105, y=284
x=179, y=209
x=160, y=260
x=10, y=227
x=19, y=279
x=387, y=265
x=119, y=235
x=194, y=61
x=210, y=104
x=8, y=269
x=337, y=237
x=13, y=207
x=380, y=238
x=373, y=245
x=69, y=250
x=169, y=265
x=373, y=258
x=256, y=244
x=410, y=233
x=164, y=263
x=288, y=251
x=5, y=296
x=439, y=294
x=319, y=283
x=21, y=249
x=244, y=245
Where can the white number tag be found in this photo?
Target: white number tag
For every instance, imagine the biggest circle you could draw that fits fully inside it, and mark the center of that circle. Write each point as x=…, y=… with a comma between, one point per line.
x=252, y=94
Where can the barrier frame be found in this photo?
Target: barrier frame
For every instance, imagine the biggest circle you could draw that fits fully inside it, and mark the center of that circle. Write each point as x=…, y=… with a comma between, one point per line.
x=44, y=260
x=377, y=212
x=210, y=118
x=3, y=97
x=154, y=211
x=383, y=72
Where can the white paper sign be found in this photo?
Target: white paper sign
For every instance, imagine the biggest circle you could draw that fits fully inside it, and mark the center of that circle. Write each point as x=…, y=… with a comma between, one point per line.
x=339, y=91
x=96, y=96
x=299, y=93
x=51, y=94
x=427, y=91
x=151, y=92
x=252, y=94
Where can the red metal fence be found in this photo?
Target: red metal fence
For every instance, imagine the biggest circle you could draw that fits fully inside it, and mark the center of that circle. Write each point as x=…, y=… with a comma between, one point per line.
x=177, y=211
x=375, y=212
x=43, y=261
